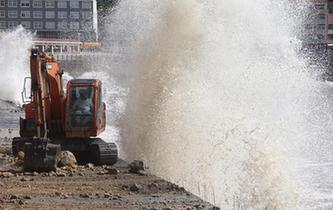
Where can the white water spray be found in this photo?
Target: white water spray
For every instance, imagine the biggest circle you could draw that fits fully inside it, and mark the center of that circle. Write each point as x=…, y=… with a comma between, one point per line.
x=14, y=62
x=219, y=98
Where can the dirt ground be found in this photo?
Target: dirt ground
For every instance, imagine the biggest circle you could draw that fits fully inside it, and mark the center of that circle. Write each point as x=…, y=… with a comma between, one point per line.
x=86, y=187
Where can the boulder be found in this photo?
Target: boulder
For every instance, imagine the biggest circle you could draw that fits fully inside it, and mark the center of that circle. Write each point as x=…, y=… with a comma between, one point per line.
x=67, y=159
x=136, y=166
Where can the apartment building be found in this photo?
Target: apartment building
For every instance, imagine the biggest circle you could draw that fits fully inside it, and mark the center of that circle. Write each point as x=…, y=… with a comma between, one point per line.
x=52, y=19
x=316, y=24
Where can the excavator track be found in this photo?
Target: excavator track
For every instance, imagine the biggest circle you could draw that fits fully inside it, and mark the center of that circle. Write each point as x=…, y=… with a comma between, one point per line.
x=103, y=153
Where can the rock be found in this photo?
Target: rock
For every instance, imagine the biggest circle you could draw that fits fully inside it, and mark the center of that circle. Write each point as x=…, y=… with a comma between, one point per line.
x=113, y=171
x=65, y=196
x=24, y=179
x=13, y=197
x=90, y=165
x=27, y=197
x=67, y=159
x=34, y=173
x=102, y=172
x=135, y=187
x=6, y=174
x=107, y=195
x=60, y=174
x=20, y=155
x=52, y=173
x=81, y=174
x=136, y=166
x=21, y=202
x=84, y=195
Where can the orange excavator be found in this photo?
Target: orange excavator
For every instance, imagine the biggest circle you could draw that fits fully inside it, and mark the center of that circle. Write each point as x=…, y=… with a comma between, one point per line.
x=56, y=121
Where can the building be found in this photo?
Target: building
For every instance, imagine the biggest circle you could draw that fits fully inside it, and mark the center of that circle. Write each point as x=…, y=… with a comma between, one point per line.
x=52, y=19
x=316, y=24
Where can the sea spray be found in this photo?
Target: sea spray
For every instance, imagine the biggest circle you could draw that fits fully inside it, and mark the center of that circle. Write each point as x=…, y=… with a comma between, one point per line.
x=14, y=62
x=218, y=97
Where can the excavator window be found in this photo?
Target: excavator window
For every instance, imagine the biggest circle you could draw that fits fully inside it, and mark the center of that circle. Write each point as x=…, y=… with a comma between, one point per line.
x=81, y=107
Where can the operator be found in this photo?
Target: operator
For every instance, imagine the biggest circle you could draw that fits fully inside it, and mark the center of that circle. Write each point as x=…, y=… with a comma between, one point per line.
x=83, y=104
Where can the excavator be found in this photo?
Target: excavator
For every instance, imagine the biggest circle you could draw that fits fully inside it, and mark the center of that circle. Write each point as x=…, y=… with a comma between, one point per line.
x=56, y=120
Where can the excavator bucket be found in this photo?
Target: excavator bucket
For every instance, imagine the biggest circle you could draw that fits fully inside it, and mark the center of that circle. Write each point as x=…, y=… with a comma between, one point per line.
x=40, y=155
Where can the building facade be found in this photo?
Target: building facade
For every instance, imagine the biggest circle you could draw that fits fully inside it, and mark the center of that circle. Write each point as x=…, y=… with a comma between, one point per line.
x=316, y=24
x=52, y=19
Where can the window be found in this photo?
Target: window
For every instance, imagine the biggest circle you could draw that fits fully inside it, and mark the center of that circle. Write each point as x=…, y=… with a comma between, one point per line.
x=86, y=15
x=330, y=26
x=320, y=37
x=2, y=13
x=2, y=3
x=320, y=6
x=50, y=25
x=321, y=17
x=87, y=25
x=74, y=15
x=38, y=14
x=62, y=4
x=25, y=14
x=26, y=24
x=12, y=24
x=74, y=4
x=86, y=5
x=49, y=14
x=62, y=25
x=321, y=27
x=38, y=25
x=12, y=3
x=74, y=25
x=62, y=15
x=25, y=3
x=308, y=26
x=81, y=106
x=12, y=14
x=3, y=24
x=330, y=36
x=49, y=4
x=37, y=4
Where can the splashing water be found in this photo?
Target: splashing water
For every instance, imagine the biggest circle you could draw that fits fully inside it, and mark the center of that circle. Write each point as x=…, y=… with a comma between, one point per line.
x=14, y=62
x=220, y=102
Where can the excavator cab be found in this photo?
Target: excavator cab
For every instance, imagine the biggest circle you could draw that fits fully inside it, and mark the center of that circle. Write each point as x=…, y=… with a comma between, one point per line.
x=85, y=110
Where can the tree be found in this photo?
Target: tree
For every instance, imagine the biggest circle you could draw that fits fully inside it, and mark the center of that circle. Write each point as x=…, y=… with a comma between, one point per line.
x=104, y=5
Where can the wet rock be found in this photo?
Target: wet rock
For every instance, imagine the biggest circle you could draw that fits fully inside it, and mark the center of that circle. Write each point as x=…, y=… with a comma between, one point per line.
x=136, y=166
x=135, y=187
x=67, y=159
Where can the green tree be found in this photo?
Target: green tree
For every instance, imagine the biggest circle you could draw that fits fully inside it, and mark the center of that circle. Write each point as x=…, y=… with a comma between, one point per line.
x=104, y=5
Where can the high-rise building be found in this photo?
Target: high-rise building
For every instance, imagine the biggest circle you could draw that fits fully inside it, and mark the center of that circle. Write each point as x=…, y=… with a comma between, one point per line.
x=52, y=19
